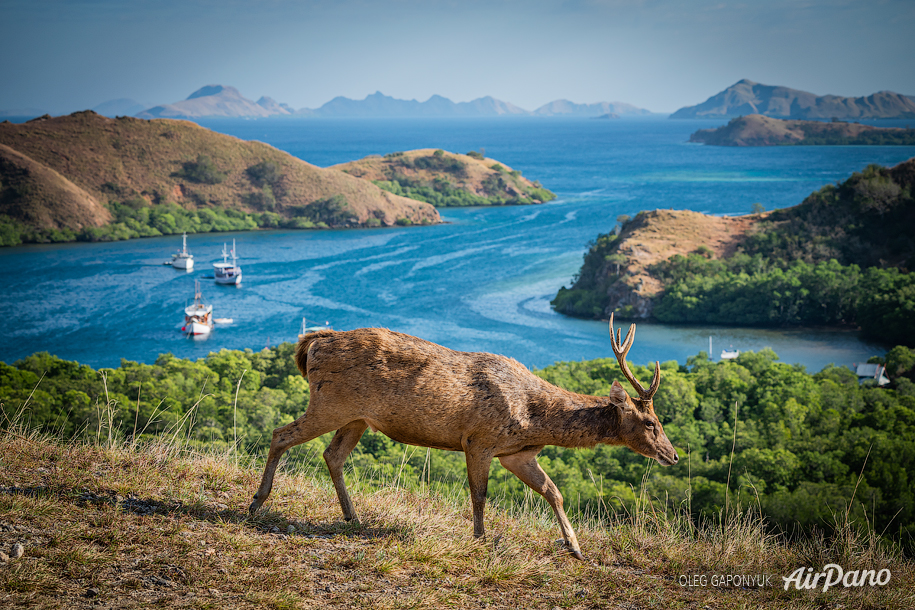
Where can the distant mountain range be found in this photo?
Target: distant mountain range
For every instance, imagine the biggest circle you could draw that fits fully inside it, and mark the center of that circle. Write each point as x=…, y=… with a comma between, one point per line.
x=746, y=97
x=218, y=101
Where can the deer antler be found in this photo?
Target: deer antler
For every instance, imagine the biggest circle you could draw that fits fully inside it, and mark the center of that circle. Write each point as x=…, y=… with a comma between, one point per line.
x=620, y=350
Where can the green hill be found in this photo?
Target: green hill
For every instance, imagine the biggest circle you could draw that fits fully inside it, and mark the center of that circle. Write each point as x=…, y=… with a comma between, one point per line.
x=147, y=170
x=843, y=257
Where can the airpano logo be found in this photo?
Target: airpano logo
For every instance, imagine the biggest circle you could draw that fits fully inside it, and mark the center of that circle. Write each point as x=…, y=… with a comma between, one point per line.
x=833, y=575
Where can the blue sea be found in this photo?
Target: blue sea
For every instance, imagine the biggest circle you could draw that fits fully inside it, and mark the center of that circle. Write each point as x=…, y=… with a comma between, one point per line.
x=480, y=282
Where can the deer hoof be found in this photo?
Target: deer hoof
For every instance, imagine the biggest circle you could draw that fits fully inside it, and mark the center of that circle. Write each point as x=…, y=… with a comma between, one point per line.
x=578, y=555
x=253, y=508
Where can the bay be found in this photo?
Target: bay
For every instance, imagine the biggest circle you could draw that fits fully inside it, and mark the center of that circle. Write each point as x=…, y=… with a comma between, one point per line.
x=480, y=282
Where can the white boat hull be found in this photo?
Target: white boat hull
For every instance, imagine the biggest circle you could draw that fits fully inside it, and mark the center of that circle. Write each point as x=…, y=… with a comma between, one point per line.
x=183, y=263
x=236, y=279
x=196, y=328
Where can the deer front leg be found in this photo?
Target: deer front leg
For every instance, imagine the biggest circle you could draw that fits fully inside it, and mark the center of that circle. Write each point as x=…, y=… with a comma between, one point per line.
x=343, y=443
x=300, y=431
x=524, y=466
x=478, y=478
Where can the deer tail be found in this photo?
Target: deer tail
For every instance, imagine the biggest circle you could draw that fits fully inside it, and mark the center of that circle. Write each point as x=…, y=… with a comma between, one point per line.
x=301, y=351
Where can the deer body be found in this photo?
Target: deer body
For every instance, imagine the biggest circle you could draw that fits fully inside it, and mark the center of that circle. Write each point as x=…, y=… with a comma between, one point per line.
x=420, y=393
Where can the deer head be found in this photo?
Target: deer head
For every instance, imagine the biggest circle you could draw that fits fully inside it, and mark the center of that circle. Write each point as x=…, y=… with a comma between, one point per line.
x=640, y=429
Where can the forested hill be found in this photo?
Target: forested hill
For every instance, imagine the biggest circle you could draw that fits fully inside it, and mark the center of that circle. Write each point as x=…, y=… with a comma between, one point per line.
x=842, y=257
x=759, y=130
x=105, y=178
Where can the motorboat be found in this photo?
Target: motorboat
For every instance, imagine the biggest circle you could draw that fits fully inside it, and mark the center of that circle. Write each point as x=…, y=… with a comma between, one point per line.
x=226, y=272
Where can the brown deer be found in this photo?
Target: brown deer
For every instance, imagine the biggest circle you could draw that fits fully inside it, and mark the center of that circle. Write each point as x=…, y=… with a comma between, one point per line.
x=487, y=406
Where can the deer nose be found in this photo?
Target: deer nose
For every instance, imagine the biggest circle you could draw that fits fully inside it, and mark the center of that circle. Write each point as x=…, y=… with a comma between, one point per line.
x=676, y=456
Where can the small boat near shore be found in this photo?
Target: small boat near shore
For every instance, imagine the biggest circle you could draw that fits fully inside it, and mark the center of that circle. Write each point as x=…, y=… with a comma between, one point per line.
x=226, y=272
x=182, y=259
x=198, y=318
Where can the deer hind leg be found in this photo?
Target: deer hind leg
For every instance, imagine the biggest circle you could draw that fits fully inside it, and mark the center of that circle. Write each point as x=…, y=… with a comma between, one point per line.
x=310, y=425
x=478, y=479
x=524, y=466
x=343, y=443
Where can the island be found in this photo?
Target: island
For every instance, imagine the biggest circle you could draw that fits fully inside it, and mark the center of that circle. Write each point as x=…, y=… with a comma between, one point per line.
x=447, y=179
x=748, y=97
x=759, y=130
x=841, y=258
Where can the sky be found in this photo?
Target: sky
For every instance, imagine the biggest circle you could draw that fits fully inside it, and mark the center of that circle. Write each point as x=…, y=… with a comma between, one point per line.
x=65, y=55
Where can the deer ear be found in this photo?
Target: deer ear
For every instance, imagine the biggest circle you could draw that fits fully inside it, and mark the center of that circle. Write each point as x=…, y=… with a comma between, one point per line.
x=618, y=395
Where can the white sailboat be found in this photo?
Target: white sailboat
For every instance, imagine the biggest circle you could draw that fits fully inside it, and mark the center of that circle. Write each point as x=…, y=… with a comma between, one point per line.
x=183, y=259
x=312, y=329
x=198, y=318
x=226, y=272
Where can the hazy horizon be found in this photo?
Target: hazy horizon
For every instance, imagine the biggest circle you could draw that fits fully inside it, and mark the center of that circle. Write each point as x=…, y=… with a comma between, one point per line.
x=655, y=54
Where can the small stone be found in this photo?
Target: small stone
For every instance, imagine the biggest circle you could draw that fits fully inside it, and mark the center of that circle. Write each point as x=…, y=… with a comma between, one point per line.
x=214, y=592
x=18, y=551
x=275, y=529
x=290, y=529
x=91, y=593
x=4, y=557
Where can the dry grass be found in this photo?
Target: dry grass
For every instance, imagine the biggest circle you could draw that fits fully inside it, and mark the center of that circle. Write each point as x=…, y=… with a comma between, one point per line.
x=657, y=235
x=159, y=526
x=476, y=171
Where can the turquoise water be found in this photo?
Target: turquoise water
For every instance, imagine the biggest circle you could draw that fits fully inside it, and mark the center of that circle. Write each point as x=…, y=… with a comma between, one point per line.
x=480, y=282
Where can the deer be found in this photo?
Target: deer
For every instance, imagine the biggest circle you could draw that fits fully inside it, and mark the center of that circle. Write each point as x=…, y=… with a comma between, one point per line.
x=485, y=405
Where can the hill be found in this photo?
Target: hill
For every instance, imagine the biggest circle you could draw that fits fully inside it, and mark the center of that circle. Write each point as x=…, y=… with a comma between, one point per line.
x=447, y=179
x=142, y=165
x=599, y=109
x=214, y=101
x=379, y=105
x=842, y=258
x=130, y=488
x=759, y=130
x=747, y=97
x=119, y=107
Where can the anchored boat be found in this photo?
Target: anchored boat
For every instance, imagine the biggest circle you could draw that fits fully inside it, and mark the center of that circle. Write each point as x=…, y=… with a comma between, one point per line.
x=183, y=259
x=198, y=318
x=226, y=272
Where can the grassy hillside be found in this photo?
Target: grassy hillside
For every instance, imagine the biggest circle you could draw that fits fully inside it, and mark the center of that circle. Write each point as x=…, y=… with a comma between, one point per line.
x=759, y=130
x=128, y=525
x=146, y=164
x=447, y=179
x=842, y=257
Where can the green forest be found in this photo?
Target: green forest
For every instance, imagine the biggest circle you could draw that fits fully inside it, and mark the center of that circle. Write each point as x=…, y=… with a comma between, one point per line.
x=800, y=441
x=841, y=258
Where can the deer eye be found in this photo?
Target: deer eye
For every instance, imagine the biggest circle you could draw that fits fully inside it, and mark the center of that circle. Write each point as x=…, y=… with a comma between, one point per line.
x=649, y=425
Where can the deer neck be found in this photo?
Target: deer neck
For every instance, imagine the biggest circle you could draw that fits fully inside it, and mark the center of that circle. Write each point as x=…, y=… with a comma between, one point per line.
x=578, y=420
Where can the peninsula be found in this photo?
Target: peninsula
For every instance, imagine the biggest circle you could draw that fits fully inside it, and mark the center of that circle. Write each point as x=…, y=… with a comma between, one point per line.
x=759, y=130
x=843, y=257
